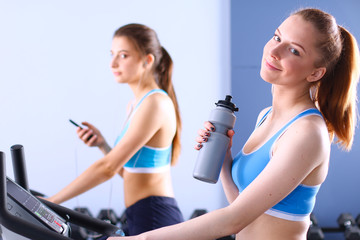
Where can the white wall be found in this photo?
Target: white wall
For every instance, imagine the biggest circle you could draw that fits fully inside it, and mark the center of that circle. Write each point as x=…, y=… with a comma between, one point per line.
x=54, y=65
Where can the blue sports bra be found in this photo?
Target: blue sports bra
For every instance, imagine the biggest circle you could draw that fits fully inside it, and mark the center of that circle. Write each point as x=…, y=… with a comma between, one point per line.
x=147, y=159
x=298, y=205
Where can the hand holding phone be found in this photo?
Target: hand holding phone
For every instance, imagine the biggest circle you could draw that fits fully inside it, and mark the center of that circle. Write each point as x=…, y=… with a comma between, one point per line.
x=78, y=125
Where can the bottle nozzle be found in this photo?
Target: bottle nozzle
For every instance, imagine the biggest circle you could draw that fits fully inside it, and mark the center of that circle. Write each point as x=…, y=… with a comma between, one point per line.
x=227, y=104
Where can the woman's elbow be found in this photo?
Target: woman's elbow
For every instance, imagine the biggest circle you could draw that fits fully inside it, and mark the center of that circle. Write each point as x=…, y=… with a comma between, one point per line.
x=106, y=169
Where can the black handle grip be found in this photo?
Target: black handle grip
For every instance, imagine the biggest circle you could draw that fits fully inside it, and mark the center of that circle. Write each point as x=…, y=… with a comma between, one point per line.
x=19, y=166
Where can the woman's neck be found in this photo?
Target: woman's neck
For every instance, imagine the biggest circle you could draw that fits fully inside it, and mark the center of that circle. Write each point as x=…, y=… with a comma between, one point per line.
x=140, y=88
x=288, y=101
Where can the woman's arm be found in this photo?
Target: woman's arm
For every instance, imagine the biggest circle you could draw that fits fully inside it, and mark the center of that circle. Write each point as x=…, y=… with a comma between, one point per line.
x=230, y=189
x=147, y=121
x=90, y=178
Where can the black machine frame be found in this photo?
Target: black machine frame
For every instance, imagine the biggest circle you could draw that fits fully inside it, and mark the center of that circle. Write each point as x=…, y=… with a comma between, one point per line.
x=31, y=229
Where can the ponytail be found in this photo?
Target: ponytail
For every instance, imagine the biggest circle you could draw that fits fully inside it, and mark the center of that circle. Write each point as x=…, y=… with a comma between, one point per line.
x=163, y=73
x=337, y=93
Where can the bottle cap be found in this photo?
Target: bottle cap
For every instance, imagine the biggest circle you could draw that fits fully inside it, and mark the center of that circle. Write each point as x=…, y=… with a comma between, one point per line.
x=227, y=104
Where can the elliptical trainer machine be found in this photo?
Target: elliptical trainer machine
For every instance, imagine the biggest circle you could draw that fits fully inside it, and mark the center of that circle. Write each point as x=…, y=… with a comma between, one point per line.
x=24, y=216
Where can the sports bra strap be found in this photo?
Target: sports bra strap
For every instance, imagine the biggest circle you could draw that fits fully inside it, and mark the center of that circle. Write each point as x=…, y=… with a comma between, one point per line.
x=310, y=111
x=145, y=96
x=307, y=112
x=263, y=117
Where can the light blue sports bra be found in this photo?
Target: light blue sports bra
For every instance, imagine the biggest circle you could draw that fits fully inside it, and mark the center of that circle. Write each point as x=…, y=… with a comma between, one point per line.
x=298, y=205
x=147, y=159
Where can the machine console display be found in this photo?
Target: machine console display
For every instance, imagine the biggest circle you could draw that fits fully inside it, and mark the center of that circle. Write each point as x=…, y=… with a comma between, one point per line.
x=33, y=206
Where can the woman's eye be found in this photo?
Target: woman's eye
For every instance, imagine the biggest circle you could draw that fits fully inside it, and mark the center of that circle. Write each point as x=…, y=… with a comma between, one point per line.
x=295, y=52
x=277, y=38
x=123, y=56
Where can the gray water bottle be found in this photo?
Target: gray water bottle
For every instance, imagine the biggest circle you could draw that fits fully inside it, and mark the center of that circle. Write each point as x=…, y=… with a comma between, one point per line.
x=211, y=156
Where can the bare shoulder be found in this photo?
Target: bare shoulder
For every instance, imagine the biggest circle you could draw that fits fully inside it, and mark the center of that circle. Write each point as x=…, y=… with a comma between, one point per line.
x=309, y=137
x=312, y=126
x=158, y=102
x=157, y=107
x=155, y=112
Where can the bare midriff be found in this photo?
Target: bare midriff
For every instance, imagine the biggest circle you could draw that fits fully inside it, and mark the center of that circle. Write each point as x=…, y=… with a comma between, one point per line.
x=138, y=186
x=272, y=228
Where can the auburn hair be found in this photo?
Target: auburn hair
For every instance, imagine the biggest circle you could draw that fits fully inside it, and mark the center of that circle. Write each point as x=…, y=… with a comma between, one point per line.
x=335, y=93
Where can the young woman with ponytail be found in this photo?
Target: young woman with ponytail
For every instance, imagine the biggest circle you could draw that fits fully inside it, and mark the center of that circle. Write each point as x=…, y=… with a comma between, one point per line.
x=271, y=184
x=150, y=140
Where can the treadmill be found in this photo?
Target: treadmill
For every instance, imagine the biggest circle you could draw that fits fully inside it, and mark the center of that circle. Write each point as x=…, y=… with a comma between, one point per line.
x=25, y=216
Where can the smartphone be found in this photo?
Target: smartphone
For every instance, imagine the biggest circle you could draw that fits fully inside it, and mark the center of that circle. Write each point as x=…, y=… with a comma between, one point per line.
x=75, y=123
x=78, y=125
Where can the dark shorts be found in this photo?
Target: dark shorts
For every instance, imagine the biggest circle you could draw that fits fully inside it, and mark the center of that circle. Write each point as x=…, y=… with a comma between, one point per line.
x=151, y=213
